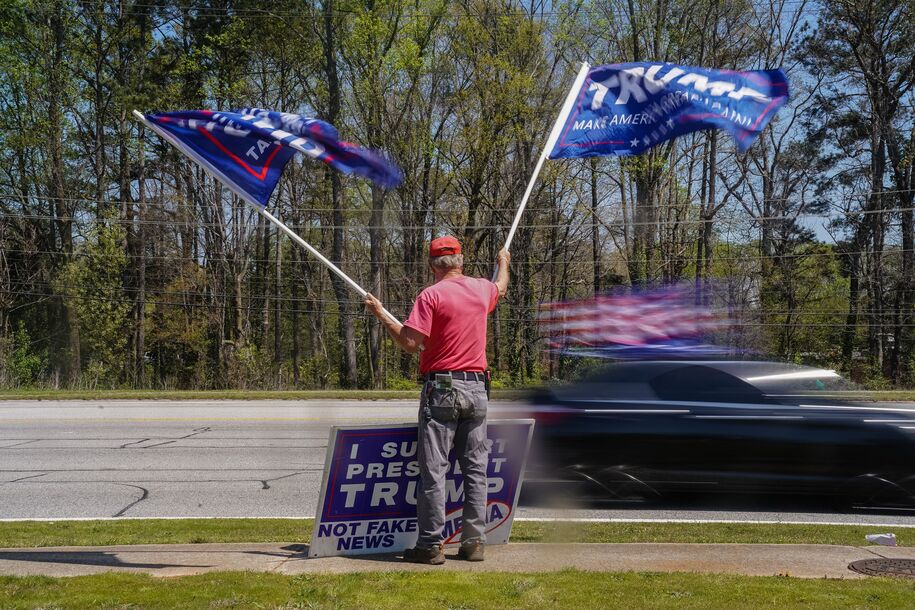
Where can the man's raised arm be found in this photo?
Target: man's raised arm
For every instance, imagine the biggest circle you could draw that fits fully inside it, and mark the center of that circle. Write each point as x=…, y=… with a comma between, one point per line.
x=503, y=258
x=409, y=339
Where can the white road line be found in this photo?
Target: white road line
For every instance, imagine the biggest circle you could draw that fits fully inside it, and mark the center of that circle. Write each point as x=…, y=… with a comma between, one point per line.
x=856, y=408
x=641, y=411
x=746, y=521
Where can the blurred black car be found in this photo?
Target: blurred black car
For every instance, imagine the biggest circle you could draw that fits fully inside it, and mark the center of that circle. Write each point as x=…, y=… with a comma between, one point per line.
x=649, y=430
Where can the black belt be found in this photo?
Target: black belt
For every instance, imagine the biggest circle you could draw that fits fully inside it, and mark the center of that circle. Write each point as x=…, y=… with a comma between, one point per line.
x=459, y=375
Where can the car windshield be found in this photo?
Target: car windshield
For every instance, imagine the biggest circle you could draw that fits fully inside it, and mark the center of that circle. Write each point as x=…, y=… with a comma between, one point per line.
x=702, y=383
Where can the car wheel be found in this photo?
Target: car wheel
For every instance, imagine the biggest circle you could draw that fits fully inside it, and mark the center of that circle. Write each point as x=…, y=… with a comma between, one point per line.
x=614, y=484
x=871, y=490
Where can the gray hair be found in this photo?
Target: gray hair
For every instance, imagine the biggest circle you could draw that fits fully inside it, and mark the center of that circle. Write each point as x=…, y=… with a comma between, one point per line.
x=447, y=262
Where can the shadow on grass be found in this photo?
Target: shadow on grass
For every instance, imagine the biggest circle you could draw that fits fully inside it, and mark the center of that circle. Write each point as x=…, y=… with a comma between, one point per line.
x=293, y=551
x=85, y=558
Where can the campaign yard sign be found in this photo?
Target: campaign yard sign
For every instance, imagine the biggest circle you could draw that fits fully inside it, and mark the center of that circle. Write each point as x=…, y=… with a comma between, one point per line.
x=371, y=477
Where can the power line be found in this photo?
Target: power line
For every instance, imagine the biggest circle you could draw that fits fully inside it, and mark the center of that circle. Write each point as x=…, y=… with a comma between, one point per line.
x=719, y=221
x=423, y=262
x=153, y=202
x=361, y=313
x=242, y=11
x=863, y=312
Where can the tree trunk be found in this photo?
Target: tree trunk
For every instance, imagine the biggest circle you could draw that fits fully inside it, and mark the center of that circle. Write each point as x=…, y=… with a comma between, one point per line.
x=376, y=254
x=904, y=181
x=277, y=300
x=709, y=216
x=628, y=246
x=294, y=293
x=851, y=319
x=141, y=270
x=878, y=228
x=67, y=355
x=262, y=278
x=346, y=329
x=595, y=228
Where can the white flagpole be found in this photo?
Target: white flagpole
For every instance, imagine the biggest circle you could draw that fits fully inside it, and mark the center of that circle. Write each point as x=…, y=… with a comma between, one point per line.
x=547, y=147
x=260, y=209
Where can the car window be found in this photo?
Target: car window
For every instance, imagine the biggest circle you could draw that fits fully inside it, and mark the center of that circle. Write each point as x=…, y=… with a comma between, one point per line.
x=703, y=384
x=641, y=372
x=808, y=381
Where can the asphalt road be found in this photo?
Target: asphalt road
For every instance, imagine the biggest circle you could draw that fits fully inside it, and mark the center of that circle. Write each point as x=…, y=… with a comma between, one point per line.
x=179, y=459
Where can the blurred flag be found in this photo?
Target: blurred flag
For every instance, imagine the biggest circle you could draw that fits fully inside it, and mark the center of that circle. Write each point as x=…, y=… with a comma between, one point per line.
x=247, y=149
x=625, y=109
x=653, y=324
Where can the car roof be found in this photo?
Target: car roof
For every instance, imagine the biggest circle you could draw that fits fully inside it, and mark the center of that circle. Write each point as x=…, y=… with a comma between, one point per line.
x=747, y=370
x=752, y=379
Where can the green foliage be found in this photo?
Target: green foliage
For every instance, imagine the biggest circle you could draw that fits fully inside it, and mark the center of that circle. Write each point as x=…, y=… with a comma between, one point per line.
x=92, y=285
x=399, y=383
x=178, y=338
x=803, y=303
x=872, y=378
x=319, y=373
x=20, y=365
x=461, y=95
x=248, y=367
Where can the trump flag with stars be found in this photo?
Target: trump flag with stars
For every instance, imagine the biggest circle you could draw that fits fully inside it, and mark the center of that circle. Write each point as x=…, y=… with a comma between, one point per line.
x=625, y=109
x=247, y=149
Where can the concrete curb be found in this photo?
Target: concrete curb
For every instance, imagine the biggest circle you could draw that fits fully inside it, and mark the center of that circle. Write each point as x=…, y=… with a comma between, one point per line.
x=797, y=560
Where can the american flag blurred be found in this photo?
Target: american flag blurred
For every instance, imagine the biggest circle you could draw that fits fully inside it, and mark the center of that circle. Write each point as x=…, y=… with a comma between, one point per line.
x=665, y=323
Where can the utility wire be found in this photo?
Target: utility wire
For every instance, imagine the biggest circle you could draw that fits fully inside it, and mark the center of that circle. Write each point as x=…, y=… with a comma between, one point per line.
x=228, y=296
x=719, y=221
x=14, y=196
x=360, y=313
x=614, y=256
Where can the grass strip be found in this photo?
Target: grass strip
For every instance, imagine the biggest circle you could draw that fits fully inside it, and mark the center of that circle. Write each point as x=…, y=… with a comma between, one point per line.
x=452, y=590
x=22, y=534
x=497, y=394
x=704, y=533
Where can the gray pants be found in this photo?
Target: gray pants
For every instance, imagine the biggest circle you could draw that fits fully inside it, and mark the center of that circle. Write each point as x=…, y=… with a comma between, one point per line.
x=452, y=418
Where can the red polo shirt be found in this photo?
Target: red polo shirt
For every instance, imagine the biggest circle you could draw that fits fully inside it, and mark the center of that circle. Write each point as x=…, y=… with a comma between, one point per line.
x=452, y=315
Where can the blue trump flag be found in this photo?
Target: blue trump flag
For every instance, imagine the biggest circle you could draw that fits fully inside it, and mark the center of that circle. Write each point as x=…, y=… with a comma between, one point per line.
x=625, y=109
x=247, y=149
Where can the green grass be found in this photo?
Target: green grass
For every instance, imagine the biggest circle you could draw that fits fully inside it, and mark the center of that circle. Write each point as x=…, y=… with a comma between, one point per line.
x=44, y=394
x=444, y=590
x=730, y=533
x=497, y=394
x=151, y=531
x=190, y=531
x=893, y=395
x=441, y=589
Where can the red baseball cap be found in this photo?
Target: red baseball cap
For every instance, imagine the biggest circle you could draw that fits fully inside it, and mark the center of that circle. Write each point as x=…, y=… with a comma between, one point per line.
x=443, y=246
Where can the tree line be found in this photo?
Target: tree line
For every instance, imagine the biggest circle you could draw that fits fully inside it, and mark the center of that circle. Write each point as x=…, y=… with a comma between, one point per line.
x=124, y=265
